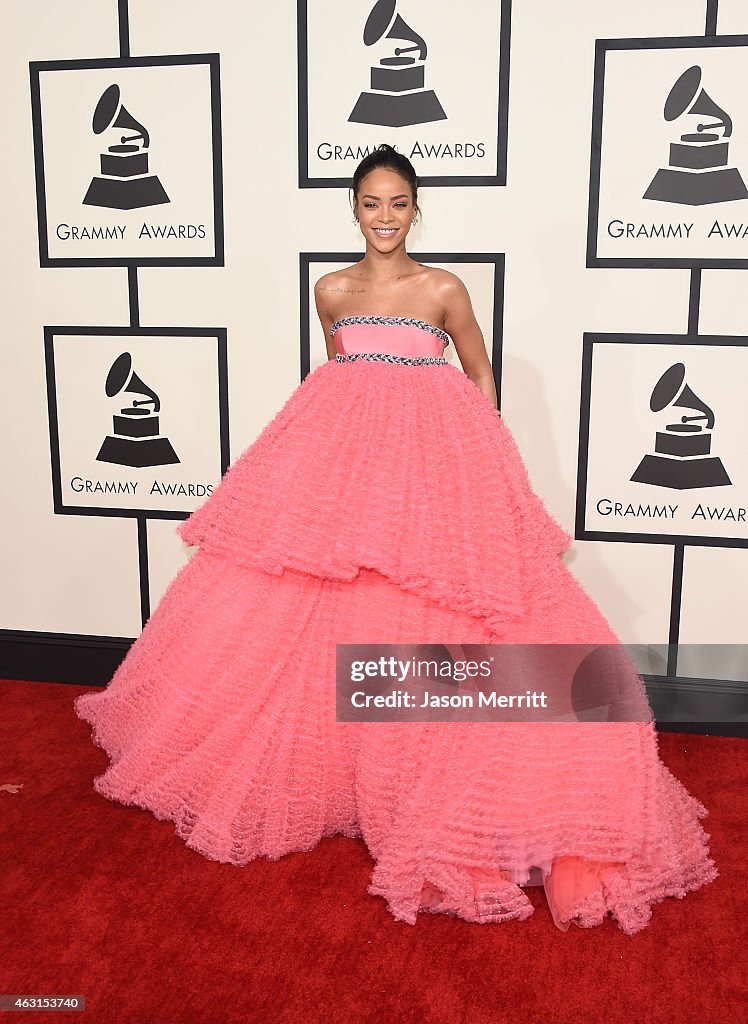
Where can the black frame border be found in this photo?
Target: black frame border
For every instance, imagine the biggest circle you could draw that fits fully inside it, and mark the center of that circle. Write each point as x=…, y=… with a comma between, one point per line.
x=50, y=333
x=602, y=46
x=592, y=338
x=175, y=60
x=495, y=259
x=443, y=180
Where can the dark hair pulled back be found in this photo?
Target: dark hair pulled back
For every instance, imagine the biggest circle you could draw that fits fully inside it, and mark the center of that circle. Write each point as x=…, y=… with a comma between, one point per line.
x=387, y=158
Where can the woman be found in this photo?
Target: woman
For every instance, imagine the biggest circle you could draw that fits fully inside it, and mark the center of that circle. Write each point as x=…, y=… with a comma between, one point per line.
x=387, y=503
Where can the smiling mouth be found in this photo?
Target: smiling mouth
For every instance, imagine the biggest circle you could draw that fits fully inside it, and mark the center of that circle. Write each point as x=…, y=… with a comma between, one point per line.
x=385, y=232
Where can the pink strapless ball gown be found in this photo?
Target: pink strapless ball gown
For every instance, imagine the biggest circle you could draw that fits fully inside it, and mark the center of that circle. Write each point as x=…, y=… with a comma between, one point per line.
x=387, y=502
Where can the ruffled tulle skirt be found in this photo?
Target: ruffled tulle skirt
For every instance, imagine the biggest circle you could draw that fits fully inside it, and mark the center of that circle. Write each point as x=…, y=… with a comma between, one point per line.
x=388, y=503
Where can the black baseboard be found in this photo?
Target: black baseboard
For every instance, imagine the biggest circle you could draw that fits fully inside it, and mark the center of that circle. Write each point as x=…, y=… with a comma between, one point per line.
x=60, y=657
x=709, y=707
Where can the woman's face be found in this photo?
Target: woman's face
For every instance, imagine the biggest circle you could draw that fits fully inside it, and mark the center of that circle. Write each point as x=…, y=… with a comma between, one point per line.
x=385, y=209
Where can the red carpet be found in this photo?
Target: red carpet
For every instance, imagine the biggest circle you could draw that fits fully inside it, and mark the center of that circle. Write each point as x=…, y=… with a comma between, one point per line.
x=104, y=900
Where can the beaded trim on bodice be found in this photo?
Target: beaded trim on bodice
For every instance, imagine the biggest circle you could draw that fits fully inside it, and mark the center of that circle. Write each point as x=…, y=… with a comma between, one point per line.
x=408, y=320
x=385, y=357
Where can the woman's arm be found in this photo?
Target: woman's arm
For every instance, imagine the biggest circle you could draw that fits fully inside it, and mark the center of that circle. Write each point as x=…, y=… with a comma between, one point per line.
x=325, y=316
x=461, y=325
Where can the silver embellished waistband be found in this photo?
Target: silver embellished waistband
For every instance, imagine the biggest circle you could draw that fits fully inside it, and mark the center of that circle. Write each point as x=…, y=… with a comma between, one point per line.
x=385, y=357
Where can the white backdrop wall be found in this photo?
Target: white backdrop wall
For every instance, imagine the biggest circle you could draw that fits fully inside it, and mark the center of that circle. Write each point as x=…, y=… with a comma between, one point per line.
x=80, y=574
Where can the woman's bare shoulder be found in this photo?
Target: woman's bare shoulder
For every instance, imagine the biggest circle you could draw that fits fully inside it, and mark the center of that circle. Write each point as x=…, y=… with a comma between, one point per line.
x=334, y=279
x=447, y=291
x=444, y=282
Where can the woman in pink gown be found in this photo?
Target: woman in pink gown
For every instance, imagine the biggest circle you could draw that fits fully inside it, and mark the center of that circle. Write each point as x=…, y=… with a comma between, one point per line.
x=387, y=502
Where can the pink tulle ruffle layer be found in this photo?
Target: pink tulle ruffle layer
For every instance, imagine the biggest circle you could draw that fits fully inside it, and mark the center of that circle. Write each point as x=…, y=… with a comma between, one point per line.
x=222, y=716
x=425, y=485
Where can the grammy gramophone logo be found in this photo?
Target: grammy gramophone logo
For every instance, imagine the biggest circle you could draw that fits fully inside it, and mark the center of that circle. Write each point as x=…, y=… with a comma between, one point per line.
x=397, y=96
x=697, y=173
x=135, y=439
x=125, y=182
x=683, y=458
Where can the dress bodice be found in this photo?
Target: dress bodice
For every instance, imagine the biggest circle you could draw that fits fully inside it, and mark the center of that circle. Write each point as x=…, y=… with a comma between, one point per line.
x=398, y=337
